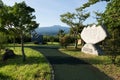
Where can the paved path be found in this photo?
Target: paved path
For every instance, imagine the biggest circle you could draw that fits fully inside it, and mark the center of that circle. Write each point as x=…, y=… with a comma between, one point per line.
x=68, y=68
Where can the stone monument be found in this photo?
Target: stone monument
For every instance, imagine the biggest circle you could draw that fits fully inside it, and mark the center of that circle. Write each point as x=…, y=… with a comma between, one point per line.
x=93, y=35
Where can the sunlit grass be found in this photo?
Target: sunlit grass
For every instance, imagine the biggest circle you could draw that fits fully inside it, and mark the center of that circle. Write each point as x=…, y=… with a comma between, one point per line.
x=35, y=67
x=52, y=43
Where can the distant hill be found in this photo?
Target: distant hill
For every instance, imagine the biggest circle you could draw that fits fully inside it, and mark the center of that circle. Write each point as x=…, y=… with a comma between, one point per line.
x=51, y=30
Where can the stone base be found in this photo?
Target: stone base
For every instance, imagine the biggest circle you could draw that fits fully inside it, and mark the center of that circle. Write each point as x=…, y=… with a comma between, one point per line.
x=92, y=49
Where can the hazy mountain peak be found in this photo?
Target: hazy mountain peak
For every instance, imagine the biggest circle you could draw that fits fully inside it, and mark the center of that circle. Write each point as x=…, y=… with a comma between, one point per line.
x=51, y=30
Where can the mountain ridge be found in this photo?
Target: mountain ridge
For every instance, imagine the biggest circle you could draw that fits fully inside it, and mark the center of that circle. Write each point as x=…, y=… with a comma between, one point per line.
x=52, y=30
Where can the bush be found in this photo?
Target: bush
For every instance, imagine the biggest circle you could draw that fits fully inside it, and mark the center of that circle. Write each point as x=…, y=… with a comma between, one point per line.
x=51, y=39
x=112, y=49
x=3, y=40
x=65, y=41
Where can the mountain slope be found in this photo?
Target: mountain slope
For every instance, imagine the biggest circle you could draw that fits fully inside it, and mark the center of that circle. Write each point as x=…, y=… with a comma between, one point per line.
x=51, y=30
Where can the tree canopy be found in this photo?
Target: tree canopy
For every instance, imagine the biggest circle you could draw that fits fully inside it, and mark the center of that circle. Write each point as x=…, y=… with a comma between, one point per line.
x=18, y=19
x=1, y=3
x=111, y=19
x=75, y=21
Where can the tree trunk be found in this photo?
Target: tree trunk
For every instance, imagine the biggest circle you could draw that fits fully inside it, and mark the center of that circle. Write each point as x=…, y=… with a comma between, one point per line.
x=22, y=48
x=14, y=42
x=76, y=43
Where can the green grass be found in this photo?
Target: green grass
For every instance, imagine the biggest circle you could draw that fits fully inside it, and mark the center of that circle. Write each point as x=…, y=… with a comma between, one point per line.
x=35, y=67
x=103, y=63
x=52, y=43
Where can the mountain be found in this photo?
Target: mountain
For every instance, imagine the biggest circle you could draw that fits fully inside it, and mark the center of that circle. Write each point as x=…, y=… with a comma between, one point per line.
x=51, y=30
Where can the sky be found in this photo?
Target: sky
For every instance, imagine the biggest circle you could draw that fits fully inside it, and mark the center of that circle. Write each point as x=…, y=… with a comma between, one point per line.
x=48, y=12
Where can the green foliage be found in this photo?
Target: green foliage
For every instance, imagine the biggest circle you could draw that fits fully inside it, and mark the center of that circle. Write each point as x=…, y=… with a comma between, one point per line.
x=68, y=18
x=18, y=20
x=61, y=33
x=1, y=3
x=66, y=40
x=91, y=2
x=24, y=18
x=111, y=19
x=50, y=38
x=112, y=48
x=75, y=21
x=3, y=40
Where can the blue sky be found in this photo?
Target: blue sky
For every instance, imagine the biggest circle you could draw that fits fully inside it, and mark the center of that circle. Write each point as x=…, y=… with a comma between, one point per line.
x=48, y=11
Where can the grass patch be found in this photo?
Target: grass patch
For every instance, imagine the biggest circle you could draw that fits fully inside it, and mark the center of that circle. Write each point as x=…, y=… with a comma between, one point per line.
x=103, y=63
x=35, y=68
x=52, y=43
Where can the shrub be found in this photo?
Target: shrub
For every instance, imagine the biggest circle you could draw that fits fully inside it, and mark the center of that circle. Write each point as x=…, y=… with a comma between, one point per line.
x=65, y=41
x=3, y=40
x=112, y=49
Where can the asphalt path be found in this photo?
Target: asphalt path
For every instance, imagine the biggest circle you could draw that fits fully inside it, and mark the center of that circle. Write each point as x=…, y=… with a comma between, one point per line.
x=66, y=67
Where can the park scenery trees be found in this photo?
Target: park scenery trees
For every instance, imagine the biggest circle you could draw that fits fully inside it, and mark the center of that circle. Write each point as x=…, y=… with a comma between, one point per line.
x=17, y=21
x=110, y=18
x=75, y=21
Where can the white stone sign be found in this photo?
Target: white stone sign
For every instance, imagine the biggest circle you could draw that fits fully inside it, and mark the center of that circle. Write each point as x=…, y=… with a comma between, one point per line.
x=92, y=35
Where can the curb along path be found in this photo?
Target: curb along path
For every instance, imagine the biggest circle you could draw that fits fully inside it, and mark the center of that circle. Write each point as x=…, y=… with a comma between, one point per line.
x=69, y=68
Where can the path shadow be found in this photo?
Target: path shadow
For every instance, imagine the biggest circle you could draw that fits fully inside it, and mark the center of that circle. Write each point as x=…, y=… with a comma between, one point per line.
x=67, y=67
x=65, y=60
x=61, y=59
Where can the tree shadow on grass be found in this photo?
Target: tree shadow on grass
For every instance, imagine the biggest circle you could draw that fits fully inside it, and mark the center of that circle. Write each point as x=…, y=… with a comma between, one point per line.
x=5, y=77
x=67, y=67
x=17, y=60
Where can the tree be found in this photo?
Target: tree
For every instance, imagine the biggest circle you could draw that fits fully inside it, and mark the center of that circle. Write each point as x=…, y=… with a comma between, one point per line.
x=75, y=21
x=111, y=19
x=61, y=33
x=65, y=41
x=3, y=30
x=18, y=19
x=24, y=21
x=91, y=2
x=3, y=40
x=6, y=22
x=1, y=3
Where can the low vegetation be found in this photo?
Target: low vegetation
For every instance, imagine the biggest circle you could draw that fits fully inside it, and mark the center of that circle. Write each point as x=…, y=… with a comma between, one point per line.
x=103, y=63
x=34, y=68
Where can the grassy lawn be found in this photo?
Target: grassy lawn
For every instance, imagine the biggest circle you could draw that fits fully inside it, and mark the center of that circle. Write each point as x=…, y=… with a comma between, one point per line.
x=36, y=66
x=52, y=43
x=103, y=63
